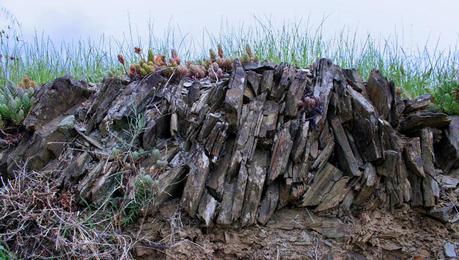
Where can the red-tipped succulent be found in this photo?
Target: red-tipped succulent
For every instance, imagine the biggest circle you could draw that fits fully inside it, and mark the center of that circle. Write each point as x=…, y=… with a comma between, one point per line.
x=121, y=59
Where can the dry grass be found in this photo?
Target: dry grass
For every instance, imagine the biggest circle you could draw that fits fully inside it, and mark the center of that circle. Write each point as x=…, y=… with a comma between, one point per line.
x=36, y=221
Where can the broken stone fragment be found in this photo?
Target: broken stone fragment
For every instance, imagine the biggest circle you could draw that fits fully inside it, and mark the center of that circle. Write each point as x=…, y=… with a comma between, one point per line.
x=418, y=103
x=354, y=80
x=345, y=155
x=336, y=195
x=421, y=119
x=413, y=156
x=207, y=208
x=284, y=75
x=108, y=92
x=281, y=153
x=365, y=128
x=74, y=170
x=443, y=214
x=394, y=177
x=294, y=94
x=194, y=93
x=134, y=98
x=196, y=180
x=56, y=139
x=341, y=103
x=448, y=182
x=248, y=94
x=103, y=186
x=299, y=149
x=331, y=228
x=258, y=66
x=270, y=117
x=216, y=180
x=253, y=80
x=257, y=170
x=450, y=250
x=239, y=193
x=380, y=93
x=267, y=80
x=268, y=204
x=323, y=88
x=85, y=185
x=246, y=139
x=429, y=185
x=168, y=184
x=324, y=155
x=368, y=185
x=234, y=95
x=224, y=216
x=416, y=190
x=55, y=99
x=45, y=144
x=322, y=184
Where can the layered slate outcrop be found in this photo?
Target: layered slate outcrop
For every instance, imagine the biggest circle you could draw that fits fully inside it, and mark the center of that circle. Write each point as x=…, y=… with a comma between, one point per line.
x=237, y=149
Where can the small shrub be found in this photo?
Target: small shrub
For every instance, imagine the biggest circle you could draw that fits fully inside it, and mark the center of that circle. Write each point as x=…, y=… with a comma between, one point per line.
x=143, y=197
x=27, y=83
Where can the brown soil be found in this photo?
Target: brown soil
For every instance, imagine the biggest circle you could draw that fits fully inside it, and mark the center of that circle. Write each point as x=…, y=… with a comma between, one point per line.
x=299, y=234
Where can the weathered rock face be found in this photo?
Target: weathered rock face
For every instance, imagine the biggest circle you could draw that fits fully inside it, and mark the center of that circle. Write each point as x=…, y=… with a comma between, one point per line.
x=51, y=122
x=56, y=99
x=257, y=140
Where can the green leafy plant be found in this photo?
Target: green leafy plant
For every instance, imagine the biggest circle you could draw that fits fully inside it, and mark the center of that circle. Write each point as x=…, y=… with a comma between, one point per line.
x=136, y=185
x=4, y=254
x=15, y=103
x=446, y=96
x=144, y=193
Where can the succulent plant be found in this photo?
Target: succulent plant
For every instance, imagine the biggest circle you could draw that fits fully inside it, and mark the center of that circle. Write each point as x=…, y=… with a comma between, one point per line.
x=26, y=82
x=160, y=60
x=212, y=56
x=150, y=56
x=121, y=59
x=197, y=71
x=220, y=51
x=156, y=154
x=15, y=103
x=215, y=72
x=175, y=59
x=225, y=64
x=183, y=71
x=215, y=67
x=132, y=71
x=248, y=56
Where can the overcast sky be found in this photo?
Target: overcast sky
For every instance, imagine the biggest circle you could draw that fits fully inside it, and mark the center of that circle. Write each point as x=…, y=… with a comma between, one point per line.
x=416, y=20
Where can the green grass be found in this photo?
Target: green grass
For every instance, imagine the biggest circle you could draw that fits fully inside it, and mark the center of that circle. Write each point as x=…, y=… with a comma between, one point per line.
x=416, y=72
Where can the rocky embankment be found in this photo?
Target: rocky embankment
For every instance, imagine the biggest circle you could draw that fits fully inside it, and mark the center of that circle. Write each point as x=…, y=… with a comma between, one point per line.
x=238, y=148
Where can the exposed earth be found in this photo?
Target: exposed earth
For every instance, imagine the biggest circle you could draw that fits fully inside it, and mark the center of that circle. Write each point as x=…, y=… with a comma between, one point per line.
x=300, y=234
